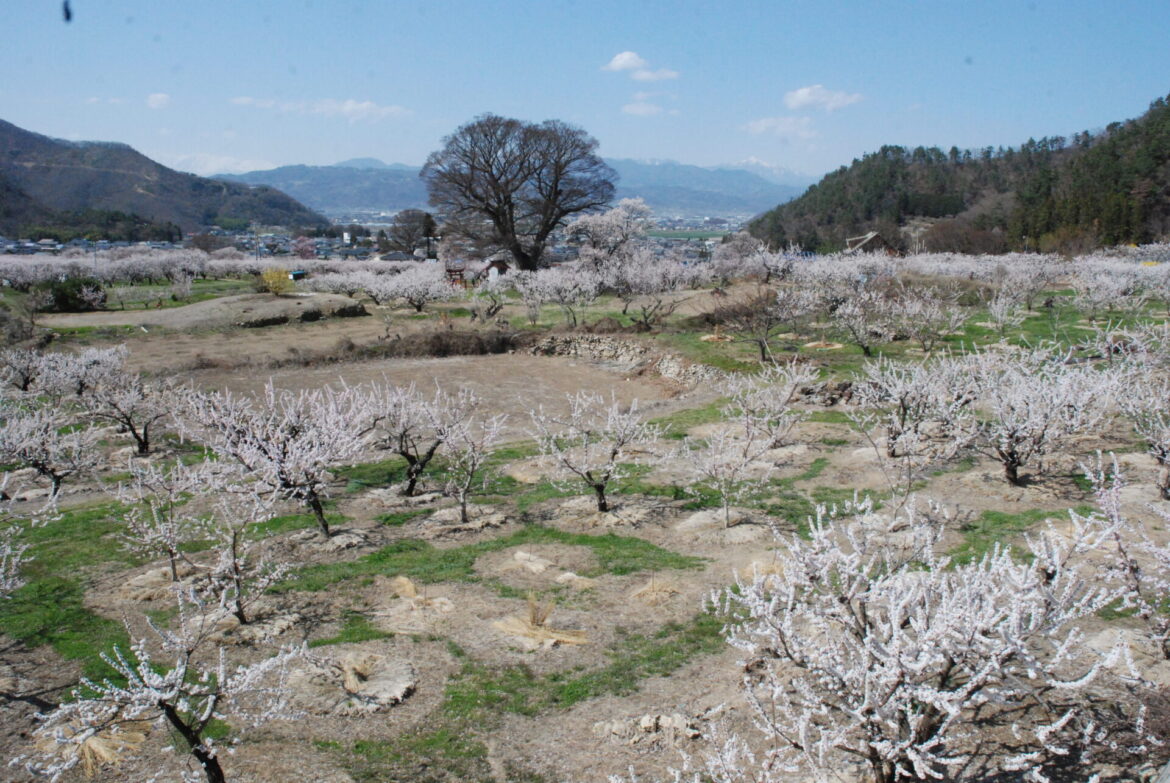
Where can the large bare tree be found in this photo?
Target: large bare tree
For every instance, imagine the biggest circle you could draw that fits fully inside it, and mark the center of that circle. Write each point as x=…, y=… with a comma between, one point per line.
x=515, y=182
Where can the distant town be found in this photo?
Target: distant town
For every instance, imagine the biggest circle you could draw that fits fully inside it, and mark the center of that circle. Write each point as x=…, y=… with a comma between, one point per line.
x=357, y=238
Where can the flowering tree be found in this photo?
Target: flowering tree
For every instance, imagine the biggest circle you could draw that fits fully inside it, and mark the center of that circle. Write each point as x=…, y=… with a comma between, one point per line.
x=240, y=573
x=594, y=442
x=35, y=438
x=488, y=298
x=1035, y=401
x=1145, y=402
x=470, y=442
x=414, y=427
x=172, y=680
x=755, y=319
x=289, y=442
x=865, y=317
x=609, y=237
x=649, y=280
x=1138, y=562
x=123, y=398
x=570, y=287
x=868, y=647
x=1005, y=311
x=20, y=367
x=158, y=522
x=66, y=375
x=759, y=418
x=927, y=314
x=420, y=285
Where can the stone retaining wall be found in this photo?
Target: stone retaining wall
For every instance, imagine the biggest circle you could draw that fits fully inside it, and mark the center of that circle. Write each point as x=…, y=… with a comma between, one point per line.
x=631, y=355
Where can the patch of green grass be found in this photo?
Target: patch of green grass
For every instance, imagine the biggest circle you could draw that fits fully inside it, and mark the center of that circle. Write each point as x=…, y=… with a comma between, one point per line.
x=400, y=518
x=677, y=424
x=356, y=627
x=793, y=507
x=513, y=452
x=1114, y=611
x=289, y=522
x=79, y=537
x=732, y=357
x=830, y=417
x=367, y=475
x=814, y=469
x=481, y=690
x=525, y=496
x=998, y=527
x=834, y=441
x=427, y=754
x=424, y=563
x=51, y=610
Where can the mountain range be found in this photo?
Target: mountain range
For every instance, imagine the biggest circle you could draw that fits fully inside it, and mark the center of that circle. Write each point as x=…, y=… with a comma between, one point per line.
x=1057, y=194
x=669, y=188
x=46, y=181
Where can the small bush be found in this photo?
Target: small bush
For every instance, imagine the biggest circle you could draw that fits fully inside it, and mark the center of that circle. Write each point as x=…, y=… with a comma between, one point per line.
x=274, y=280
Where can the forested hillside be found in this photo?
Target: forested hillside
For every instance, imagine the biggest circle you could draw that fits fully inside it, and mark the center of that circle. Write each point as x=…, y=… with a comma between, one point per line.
x=66, y=184
x=1108, y=188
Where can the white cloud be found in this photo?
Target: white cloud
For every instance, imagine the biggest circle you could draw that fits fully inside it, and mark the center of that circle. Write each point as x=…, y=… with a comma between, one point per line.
x=642, y=109
x=350, y=109
x=646, y=75
x=816, y=96
x=158, y=100
x=356, y=111
x=638, y=67
x=789, y=128
x=625, y=61
x=204, y=163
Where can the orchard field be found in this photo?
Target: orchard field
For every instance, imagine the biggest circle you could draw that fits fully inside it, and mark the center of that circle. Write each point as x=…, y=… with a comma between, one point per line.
x=807, y=518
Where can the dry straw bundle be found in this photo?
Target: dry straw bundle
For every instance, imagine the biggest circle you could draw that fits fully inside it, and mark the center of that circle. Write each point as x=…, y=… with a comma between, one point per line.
x=534, y=628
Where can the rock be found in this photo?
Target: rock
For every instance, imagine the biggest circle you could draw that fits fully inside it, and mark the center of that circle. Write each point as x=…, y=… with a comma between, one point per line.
x=392, y=497
x=670, y=728
x=529, y=471
x=32, y=493
x=340, y=541
x=449, y=522
x=155, y=584
x=575, y=581
x=785, y=454
x=352, y=680
x=530, y=562
x=711, y=519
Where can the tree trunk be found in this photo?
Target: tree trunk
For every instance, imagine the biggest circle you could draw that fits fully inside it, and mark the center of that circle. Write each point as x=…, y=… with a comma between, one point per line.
x=1011, y=471
x=412, y=474
x=602, y=504
x=142, y=440
x=206, y=760
x=319, y=512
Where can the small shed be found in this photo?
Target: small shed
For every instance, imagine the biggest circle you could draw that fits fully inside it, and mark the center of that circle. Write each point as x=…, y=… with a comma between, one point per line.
x=873, y=242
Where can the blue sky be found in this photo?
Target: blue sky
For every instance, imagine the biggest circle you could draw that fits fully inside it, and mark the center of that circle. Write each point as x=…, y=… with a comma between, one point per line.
x=213, y=86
